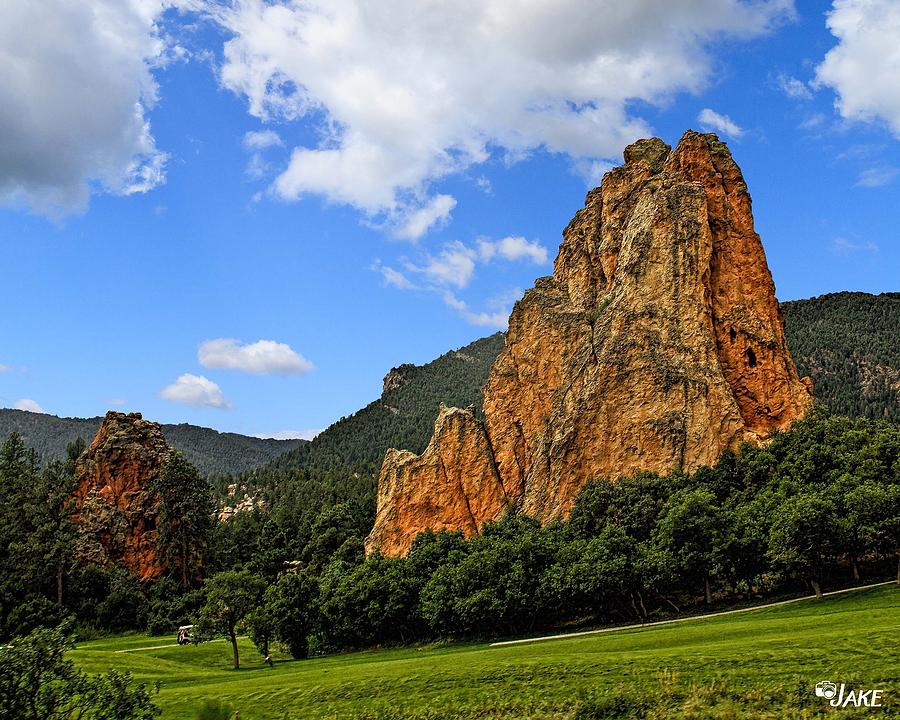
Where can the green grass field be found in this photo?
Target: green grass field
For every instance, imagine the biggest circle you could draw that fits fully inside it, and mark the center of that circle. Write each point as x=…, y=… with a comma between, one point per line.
x=761, y=664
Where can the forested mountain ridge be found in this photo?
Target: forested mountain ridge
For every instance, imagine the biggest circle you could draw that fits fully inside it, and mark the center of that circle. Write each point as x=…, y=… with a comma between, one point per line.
x=849, y=344
x=210, y=450
x=404, y=415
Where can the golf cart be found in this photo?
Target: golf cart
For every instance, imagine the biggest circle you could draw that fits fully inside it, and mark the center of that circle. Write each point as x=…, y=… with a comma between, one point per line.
x=184, y=635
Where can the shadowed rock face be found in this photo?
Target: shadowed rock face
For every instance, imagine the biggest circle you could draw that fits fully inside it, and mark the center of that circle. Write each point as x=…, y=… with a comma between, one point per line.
x=656, y=344
x=115, y=510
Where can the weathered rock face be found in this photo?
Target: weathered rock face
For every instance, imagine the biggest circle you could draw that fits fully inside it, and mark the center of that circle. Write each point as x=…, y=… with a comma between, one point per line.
x=453, y=484
x=115, y=510
x=656, y=344
x=396, y=377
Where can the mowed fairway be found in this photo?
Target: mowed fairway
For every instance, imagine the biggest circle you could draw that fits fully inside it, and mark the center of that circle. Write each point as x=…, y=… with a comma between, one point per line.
x=759, y=664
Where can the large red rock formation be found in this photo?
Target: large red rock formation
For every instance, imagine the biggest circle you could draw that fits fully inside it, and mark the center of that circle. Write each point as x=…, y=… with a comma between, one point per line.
x=656, y=344
x=115, y=507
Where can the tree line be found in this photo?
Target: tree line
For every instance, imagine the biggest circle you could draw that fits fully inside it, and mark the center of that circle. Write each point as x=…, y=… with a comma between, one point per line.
x=818, y=507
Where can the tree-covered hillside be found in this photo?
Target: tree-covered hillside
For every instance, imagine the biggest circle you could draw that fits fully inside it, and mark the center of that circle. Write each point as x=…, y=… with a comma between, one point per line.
x=403, y=417
x=849, y=344
x=211, y=451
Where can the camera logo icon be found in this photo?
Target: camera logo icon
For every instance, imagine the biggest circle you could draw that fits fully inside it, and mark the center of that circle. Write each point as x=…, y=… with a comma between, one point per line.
x=826, y=689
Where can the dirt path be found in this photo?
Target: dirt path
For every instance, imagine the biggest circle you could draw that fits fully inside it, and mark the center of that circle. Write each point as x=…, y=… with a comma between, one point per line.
x=683, y=619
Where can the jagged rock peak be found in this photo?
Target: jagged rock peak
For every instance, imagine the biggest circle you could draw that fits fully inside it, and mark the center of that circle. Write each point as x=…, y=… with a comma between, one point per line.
x=115, y=508
x=397, y=377
x=656, y=344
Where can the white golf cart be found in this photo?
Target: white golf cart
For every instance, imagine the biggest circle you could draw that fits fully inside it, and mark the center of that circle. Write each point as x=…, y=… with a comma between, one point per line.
x=185, y=637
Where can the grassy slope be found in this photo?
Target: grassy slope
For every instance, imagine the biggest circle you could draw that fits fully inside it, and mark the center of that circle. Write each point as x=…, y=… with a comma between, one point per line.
x=747, y=665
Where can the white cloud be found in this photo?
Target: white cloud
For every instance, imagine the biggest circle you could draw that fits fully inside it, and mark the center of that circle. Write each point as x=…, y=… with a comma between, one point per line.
x=258, y=141
x=76, y=88
x=864, y=65
x=414, y=223
x=29, y=405
x=195, y=390
x=513, y=247
x=498, y=319
x=289, y=435
x=876, y=176
x=4, y=368
x=393, y=277
x=794, y=88
x=711, y=120
x=842, y=246
x=484, y=185
x=405, y=98
x=592, y=171
x=264, y=357
x=261, y=140
x=454, y=265
x=257, y=166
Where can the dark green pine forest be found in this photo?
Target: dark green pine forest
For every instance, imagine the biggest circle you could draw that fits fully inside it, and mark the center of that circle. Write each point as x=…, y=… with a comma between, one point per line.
x=849, y=344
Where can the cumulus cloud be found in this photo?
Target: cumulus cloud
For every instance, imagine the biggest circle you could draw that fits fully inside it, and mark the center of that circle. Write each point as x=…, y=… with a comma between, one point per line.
x=513, y=247
x=77, y=84
x=864, y=65
x=794, y=88
x=876, y=176
x=454, y=265
x=29, y=405
x=289, y=435
x=264, y=357
x=415, y=223
x=404, y=98
x=195, y=390
x=711, y=120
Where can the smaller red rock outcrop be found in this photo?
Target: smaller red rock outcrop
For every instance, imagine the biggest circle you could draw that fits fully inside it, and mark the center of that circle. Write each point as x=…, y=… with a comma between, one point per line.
x=115, y=507
x=452, y=485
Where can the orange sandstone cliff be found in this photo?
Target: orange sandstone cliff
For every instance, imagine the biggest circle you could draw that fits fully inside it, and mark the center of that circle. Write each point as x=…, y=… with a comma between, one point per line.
x=656, y=344
x=115, y=509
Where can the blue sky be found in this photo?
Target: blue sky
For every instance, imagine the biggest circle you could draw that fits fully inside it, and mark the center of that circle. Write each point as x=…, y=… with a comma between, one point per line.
x=242, y=215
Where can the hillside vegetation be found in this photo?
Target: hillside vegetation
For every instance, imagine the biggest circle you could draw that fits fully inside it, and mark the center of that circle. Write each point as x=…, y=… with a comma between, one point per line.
x=402, y=417
x=212, y=452
x=849, y=344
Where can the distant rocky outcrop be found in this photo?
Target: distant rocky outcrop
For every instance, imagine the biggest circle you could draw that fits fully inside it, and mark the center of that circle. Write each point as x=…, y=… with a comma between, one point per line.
x=238, y=500
x=656, y=344
x=397, y=377
x=115, y=505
